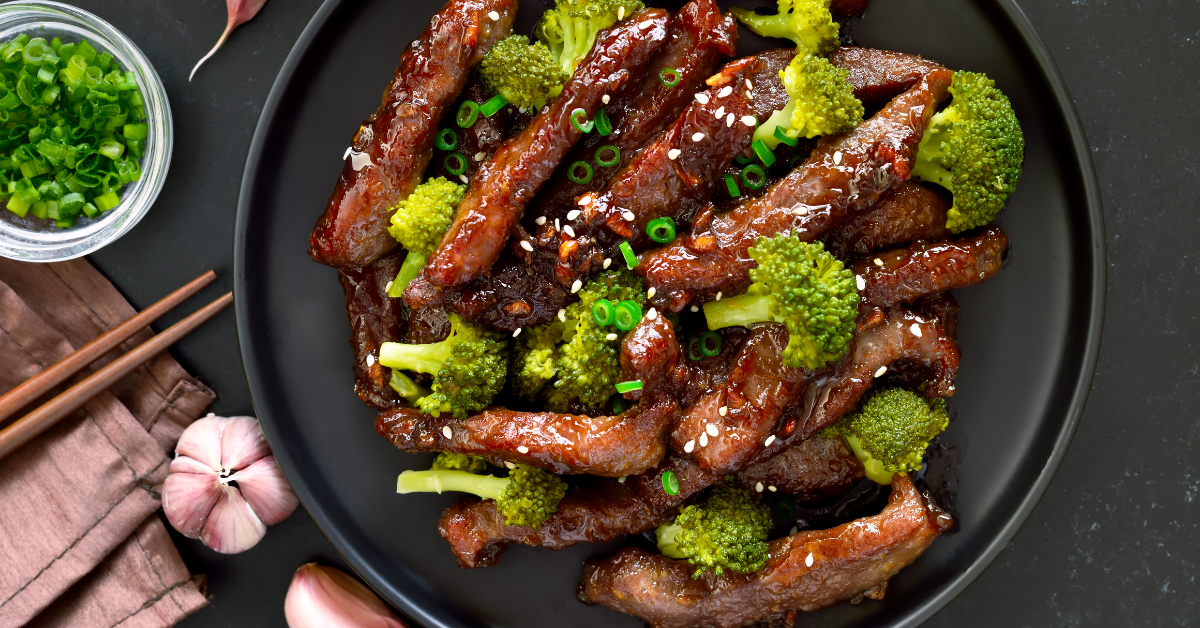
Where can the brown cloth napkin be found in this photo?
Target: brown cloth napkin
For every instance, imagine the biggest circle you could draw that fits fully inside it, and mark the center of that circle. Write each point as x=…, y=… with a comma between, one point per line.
x=80, y=544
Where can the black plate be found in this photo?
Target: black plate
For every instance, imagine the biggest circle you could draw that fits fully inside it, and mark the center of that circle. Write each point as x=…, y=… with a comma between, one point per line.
x=1029, y=336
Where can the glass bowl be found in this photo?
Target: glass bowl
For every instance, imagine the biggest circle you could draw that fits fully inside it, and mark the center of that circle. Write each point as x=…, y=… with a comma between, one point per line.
x=21, y=239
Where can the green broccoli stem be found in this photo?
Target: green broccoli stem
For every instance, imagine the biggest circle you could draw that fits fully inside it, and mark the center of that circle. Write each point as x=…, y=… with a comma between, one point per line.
x=742, y=310
x=406, y=387
x=413, y=263
x=781, y=118
x=441, y=480
x=874, y=469
x=667, y=545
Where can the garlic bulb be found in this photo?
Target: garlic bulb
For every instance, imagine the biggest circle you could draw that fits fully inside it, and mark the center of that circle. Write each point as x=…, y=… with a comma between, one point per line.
x=325, y=597
x=224, y=486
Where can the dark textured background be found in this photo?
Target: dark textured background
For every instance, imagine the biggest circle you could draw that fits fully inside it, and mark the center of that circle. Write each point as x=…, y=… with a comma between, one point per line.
x=1115, y=539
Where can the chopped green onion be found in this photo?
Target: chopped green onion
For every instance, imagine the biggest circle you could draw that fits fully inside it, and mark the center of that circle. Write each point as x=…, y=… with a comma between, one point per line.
x=793, y=160
x=494, y=104
x=783, y=137
x=627, y=252
x=627, y=314
x=578, y=121
x=694, y=350
x=669, y=77
x=743, y=159
x=135, y=131
x=455, y=163
x=604, y=312
x=575, y=177
x=468, y=113
x=710, y=343
x=785, y=508
x=754, y=176
x=732, y=186
x=670, y=482
x=108, y=201
x=661, y=230
x=446, y=139
x=764, y=153
x=618, y=405
x=614, y=160
x=625, y=387
x=603, y=124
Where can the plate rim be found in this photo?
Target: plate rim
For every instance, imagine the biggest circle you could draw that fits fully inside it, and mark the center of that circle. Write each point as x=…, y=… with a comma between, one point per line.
x=408, y=603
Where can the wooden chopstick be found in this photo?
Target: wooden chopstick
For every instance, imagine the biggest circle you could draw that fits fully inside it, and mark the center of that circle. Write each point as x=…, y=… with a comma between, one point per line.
x=60, y=371
x=29, y=426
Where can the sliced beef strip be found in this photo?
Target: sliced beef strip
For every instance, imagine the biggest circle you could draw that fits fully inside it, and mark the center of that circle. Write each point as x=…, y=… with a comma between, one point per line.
x=375, y=318
x=811, y=470
x=906, y=274
x=909, y=212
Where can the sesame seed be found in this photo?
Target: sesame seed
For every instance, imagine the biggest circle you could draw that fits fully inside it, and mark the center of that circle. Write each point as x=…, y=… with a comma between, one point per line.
x=801, y=210
x=749, y=120
x=837, y=157
x=689, y=446
x=695, y=308
x=605, y=98
x=696, y=137
x=700, y=98
x=628, y=216
x=729, y=119
x=719, y=295
x=723, y=410
x=916, y=330
x=517, y=332
x=878, y=262
x=794, y=530
x=480, y=156
x=522, y=109
x=772, y=489
x=620, y=15
x=720, y=112
x=463, y=178
x=704, y=439
x=562, y=315
x=610, y=337
x=808, y=561
x=569, y=231
x=576, y=286
x=650, y=292
x=862, y=283
x=749, y=96
x=510, y=465
x=557, y=225
x=725, y=91
x=583, y=201
x=573, y=214
x=447, y=432
x=749, y=85
x=545, y=108
x=607, y=262
x=526, y=245
x=522, y=449
x=770, y=439
x=712, y=430
x=673, y=154
x=494, y=16
x=621, y=480
x=388, y=287
x=880, y=371
x=541, y=220
x=370, y=360
x=758, y=487
x=652, y=314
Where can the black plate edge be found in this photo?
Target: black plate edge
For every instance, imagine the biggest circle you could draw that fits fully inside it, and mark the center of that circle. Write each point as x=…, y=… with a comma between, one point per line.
x=1018, y=22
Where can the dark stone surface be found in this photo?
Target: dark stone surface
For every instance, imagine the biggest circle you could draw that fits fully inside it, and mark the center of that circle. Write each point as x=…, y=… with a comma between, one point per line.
x=1113, y=542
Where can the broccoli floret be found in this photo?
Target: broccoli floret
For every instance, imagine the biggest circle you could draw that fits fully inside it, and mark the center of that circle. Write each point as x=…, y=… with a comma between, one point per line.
x=406, y=387
x=535, y=359
x=806, y=22
x=891, y=430
x=526, y=75
x=527, y=497
x=727, y=531
x=974, y=148
x=822, y=102
x=468, y=367
x=802, y=286
x=570, y=28
x=419, y=222
x=460, y=462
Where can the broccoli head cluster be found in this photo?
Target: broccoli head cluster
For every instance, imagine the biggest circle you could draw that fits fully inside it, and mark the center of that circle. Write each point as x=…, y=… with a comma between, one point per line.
x=891, y=430
x=570, y=28
x=728, y=530
x=419, y=222
x=527, y=75
x=806, y=22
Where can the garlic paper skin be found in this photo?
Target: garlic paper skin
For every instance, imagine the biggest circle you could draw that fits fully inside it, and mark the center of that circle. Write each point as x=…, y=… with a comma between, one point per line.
x=325, y=597
x=224, y=486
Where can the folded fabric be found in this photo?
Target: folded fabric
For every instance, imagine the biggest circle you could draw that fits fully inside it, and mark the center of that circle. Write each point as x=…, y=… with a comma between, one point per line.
x=75, y=494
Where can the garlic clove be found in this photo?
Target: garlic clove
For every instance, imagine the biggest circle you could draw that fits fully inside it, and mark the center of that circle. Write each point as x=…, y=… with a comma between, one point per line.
x=187, y=464
x=232, y=526
x=325, y=597
x=266, y=490
x=188, y=498
x=242, y=442
x=201, y=441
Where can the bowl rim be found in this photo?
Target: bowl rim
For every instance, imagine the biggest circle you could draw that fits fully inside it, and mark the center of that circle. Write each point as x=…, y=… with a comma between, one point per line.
x=61, y=245
x=409, y=602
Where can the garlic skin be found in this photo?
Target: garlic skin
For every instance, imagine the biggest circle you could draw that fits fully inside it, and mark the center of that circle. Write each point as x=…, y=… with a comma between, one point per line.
x=224, y=487
x=326, y=597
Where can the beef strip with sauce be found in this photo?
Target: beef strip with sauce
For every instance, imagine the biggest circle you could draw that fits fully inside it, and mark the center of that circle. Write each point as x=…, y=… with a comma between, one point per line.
x=375, y=319
x=388, y=155
x=909, y=212
x=844, y=176
x=906, y=274
x=504, y=185
x=811, y=470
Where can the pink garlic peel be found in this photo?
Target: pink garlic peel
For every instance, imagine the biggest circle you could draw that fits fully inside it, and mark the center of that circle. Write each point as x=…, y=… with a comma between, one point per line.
x=224, y=487
x=240, y=12
x=326, y=597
